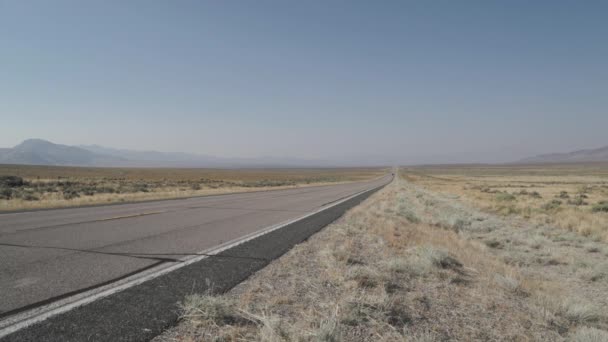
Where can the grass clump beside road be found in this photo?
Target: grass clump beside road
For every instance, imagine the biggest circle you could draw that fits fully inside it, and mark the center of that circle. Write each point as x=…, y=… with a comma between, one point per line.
x=377, y=275
x=216, y=309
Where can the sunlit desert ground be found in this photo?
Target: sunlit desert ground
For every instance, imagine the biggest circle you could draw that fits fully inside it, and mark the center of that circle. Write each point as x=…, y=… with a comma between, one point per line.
x=570, y=196
x=432, y=257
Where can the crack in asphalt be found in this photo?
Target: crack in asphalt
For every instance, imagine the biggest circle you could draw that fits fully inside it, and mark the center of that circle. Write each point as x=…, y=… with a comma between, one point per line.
x=152, y=236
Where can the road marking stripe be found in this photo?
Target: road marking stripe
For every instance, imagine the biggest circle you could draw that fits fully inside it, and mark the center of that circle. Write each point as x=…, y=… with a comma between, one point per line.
x=25, y=319
x=127, y=216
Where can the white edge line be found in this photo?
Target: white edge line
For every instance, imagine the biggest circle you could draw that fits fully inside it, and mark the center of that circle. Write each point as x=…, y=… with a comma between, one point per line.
x=30, y=317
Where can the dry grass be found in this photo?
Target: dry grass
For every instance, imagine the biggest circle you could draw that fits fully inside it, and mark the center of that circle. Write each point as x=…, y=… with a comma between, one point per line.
x=378, y=274
x=585, y=334
x=565, y=271
x=48, y=186
x=568, y=196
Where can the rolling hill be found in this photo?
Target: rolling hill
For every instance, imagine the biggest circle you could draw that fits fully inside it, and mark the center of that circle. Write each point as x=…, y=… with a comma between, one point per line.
x=42, y=152
x=589, y=155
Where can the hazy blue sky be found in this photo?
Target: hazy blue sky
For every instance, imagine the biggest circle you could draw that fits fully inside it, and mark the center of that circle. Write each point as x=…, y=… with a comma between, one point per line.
x=424, y=81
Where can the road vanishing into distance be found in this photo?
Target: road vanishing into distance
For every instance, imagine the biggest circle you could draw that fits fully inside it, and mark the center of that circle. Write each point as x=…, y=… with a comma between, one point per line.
x=48, y=255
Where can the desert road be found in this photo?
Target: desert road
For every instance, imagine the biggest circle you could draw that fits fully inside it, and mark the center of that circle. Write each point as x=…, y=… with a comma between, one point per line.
x=49, y=255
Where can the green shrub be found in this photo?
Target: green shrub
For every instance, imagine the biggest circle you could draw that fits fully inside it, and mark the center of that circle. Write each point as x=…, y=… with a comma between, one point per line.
x=28, y=196
x=578, y=200
x=106, y=190
x=11, y=181
x=504, y=196
x=409, y=215
x=493, y=243
x=552, y=205
x=601, y=206
x=69, y=194
x=6, y=193
x=25, y=194
x=585, y=189
x=89, y=190
x=460, y=224
x=506, y=209
x=533, y=194
x=140, y=187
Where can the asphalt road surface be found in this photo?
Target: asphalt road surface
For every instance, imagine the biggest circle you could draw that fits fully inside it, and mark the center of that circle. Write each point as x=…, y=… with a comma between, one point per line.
x=48, y=254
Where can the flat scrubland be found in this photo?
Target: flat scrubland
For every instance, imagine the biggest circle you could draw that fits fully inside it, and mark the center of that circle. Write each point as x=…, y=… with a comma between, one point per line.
x=29, y=187
x=413, y=263
x=571, y=196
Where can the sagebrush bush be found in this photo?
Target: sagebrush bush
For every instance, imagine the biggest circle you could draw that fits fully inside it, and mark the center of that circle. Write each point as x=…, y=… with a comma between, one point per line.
x=579, y=312
x=28, y=196
x=552, y=205
x=6, y=193
x=11, y=181
x=601, y=206
x=409, y=215
x=460, y=224
x=509, y=283
x=69, y=194
x=578, y=200
x=24, y=194
x=504, y=196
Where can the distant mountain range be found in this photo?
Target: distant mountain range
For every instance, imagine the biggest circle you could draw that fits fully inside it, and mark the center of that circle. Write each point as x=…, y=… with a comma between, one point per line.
x=42, y=152
x=590, y=155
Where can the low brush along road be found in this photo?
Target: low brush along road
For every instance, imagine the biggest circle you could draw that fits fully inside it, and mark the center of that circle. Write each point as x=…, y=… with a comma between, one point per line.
x=51, y=259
